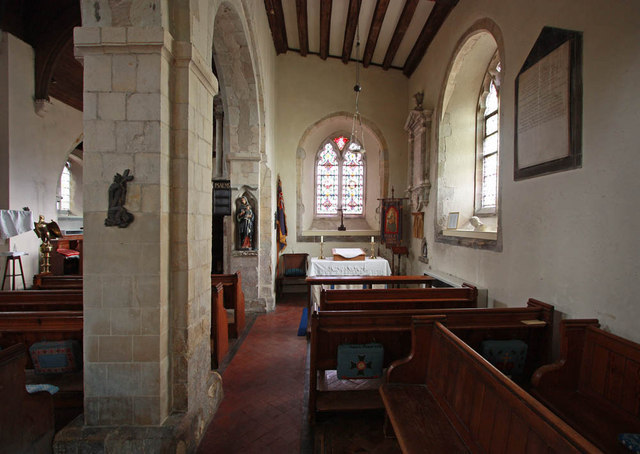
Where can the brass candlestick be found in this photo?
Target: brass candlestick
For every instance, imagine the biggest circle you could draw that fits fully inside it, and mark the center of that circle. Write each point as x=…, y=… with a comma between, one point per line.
x=45, y=265
x=373, y=249
x=321, y=249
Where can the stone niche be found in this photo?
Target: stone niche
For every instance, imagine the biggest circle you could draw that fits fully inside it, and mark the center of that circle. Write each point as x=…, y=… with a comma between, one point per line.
x=246, y=217
x=418, y=125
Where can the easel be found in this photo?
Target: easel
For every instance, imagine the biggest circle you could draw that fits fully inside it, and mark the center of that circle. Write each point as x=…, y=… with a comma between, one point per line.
x=399, y=251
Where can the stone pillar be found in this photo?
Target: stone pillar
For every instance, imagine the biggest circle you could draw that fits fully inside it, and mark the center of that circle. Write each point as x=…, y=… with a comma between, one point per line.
x=148, y=107
x=126, y=292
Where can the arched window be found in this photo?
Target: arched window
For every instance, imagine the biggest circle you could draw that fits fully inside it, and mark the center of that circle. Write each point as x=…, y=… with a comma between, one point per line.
x=65, y=189
x=488, y=141
x=339, y=177
x=468, y=144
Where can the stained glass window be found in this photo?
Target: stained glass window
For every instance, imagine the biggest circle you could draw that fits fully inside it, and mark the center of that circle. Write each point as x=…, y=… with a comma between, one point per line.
x=352, y=182
x=340, y=141
x=327, y=170
x=340, y=178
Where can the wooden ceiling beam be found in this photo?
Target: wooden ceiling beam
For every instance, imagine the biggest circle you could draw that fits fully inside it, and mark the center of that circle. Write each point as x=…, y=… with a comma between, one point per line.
x=439, y=13
x=350, y=29
x=374, y=31
x=303, y=30
x=398, y=34
x=275, y=15
x=325, y=27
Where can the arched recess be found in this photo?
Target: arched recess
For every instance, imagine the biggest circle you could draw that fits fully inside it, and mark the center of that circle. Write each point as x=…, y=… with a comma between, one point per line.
x=457, y=135
x=377, y=170
x=243, y=148
x=53, y=46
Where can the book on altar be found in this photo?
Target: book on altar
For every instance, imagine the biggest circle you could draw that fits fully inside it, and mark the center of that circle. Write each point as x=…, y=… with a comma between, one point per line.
x=343, y=254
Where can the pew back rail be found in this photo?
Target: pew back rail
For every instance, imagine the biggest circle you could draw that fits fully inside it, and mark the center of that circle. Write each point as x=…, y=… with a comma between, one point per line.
x=401, y=298
x=40, y=300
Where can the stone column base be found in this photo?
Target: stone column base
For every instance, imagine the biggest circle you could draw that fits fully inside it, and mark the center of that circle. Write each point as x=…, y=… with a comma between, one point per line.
x=181, y=433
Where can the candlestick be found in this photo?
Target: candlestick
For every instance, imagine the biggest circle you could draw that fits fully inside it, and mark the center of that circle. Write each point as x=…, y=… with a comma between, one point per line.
x=373, y=249
x=321, y=247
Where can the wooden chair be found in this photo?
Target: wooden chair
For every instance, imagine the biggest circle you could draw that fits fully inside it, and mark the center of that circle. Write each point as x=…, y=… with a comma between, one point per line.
x=293, y=271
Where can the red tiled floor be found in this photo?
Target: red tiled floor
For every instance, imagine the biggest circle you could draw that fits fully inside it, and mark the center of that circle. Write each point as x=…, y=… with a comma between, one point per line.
x=262, y=409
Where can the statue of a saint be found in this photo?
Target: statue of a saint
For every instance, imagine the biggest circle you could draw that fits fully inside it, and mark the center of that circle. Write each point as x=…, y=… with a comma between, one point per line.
x=118, y=214
x=245, y=219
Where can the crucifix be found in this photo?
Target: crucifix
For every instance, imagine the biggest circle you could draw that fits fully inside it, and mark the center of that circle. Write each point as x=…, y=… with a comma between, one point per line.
x=341, y=227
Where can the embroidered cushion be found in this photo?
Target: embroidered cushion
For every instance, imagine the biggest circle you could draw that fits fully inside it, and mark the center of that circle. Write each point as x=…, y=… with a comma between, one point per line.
x=52, y=389
x=56, y=357
x=295, y=272
x=630, y=441
x=508, y=356
x=360, y=360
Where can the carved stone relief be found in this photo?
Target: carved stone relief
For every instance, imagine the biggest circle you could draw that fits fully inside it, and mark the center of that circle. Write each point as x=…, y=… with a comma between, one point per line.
x=418, y=125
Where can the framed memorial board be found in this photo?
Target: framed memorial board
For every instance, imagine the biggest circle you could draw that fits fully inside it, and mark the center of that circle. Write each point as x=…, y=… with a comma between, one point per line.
x=548, y=130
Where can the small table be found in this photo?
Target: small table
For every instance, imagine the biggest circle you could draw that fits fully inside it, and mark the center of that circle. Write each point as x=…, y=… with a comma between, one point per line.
x=12, y=256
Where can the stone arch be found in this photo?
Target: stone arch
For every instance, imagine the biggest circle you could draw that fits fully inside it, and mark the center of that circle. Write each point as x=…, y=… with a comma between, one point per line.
x=307, y=148
x=243, y=146
x=455, y=126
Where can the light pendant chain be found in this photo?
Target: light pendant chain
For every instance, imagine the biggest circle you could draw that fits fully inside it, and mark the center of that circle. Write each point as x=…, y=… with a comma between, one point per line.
x=357, y=119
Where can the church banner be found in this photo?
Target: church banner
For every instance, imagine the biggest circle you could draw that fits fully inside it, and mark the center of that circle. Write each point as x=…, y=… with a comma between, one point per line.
x=391, y=222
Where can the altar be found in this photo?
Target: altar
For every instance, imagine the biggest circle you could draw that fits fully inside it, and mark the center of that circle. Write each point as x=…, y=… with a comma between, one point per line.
x=330, y=267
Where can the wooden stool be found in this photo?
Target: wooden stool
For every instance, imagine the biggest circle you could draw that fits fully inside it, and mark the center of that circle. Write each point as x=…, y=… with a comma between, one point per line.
x=12, y=256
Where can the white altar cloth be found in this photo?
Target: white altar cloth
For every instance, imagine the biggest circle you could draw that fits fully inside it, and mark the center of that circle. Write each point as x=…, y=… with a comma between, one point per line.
x=366, y=267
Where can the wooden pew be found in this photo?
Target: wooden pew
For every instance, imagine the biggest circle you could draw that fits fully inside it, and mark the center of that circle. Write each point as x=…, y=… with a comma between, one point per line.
x=392, y=329
x=57, y=282
x=35, y=326
x=219, y=325
x=594, y=385
x=371, y=280
x=399, y=298
x=40, y=300
x=26, y=420
x=233, y=299
x=364, y=281
x=446, y=398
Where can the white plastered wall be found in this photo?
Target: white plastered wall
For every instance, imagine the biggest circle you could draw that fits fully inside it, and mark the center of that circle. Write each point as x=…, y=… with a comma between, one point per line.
x=569, y=238
x=35, y=148
x=310, y=89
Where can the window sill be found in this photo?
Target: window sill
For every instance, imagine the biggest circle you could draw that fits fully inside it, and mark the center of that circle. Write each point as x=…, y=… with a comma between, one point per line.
x=471, y=234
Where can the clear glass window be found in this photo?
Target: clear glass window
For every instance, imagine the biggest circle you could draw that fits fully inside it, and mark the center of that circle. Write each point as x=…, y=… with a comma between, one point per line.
x=65, y=189
x=489, y=141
